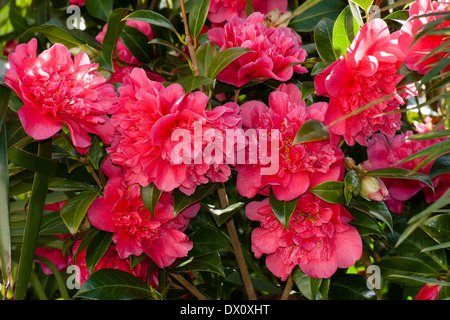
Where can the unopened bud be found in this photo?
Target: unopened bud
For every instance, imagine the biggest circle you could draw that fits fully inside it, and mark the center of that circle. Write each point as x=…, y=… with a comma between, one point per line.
x=373, y=189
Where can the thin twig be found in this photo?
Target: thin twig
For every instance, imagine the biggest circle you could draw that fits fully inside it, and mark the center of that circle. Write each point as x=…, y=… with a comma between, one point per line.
x=237, y=246
x=287, y=288
x=189, y=43
x=189, y=286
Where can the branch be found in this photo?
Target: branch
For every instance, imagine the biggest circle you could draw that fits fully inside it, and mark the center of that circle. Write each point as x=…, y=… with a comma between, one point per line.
x=189, y=43
x=189, y=286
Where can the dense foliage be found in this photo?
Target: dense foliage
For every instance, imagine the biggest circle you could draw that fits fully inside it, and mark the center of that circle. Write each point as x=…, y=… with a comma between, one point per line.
x=216, y=149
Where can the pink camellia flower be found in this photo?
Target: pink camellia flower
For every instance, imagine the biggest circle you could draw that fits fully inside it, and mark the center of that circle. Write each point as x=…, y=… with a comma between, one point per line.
x=274, y=49
x=221, y=11
x=120, y=69
x=384, y=152
x=366, y=73
x=111, y=260
x=318, y=238
x=373, y=189
x=136, y=230
x=57, y=91
x=77, y=2
x=149, y=119
x=428, y=292
x=414, y=53
x=300, y=166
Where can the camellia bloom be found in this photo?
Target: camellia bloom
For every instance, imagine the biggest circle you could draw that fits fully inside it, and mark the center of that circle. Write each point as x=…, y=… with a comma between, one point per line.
x=57, y=91
x=148, y=119
x=274, y=49
x=373, y=189
x=111, y=260
x=318, y=238
x=300, y=166
x=367, y=73
x=384, y=152
x=221, y=11
x=135, y=229
x=428, y=292
x=414, y=53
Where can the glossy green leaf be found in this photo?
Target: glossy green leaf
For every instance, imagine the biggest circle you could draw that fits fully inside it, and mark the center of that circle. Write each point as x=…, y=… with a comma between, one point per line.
x=376, y=209
x=153, y=18
x=365, y=4
x=283, y=210
x=182, y=201
x=204, y=54
x=350, y=287
x=311, y=130
x=440, y=166
x=74, y=210
x=137, y=43
x=223, y=59
x=33, y=221
x=5, y=234
x=365, y=224
x=310, y=12
x=400, y=173
x=222, y=215
x=311, y=288
x=113, y=31
x=323, y=37
x=344, y=30
x=330, y=191
x=112, y=284
x=191, y=82
x=100, y=9
x=197, y=18
x=438, y=227
x=352, y=185
x=96, y=249
x=405, y=266
x=207, y=241
x=150, y=196
x=210, y=262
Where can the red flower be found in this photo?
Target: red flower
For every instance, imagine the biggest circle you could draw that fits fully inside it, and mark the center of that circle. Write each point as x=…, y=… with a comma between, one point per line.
x=296, y=167
x=367, y=73
x=414, y=53
x=136, y=230
x=318, y=238
x=274, y=49
x=57, y=91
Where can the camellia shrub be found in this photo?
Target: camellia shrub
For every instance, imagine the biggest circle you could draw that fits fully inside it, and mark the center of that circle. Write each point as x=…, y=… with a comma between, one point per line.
x=225, y=150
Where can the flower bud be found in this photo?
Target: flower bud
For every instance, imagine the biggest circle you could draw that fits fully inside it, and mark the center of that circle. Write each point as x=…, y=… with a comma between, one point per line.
x=373, y=189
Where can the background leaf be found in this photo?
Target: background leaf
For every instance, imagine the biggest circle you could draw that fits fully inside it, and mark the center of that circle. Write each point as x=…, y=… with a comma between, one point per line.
x=74, y=211
x=323, y=37
x=283, y=210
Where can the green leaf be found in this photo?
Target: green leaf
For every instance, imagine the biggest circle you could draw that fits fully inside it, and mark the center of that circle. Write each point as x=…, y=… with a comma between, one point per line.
x=344, y=30
x=323, y=37
x=365, y=224
x=113, y=31
x=350, y=287
x=5, y=233
x=309, y=13
x=57, y=274
x=137, y=43
x=376, y=209
x=97, y=248
x=205, y=53
x=33, y=221
x=75, y=209
x=438, y=227
x=365, y=4
x=100, y=9
x=153, y=18
x=435, y=134
x=150, y=196
x=112, y=284
x=197, y=18
x=311, y=130
x=208, y=262
x=311, y=288
x=223, y=59
x=222, y=215
x=182, y=201
x=191, y=82
x=330, y=191
x=400, y=173
x=207, y=240
x=283, y=210
x=352, y=185
x=440, y=166
x=405, y=266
